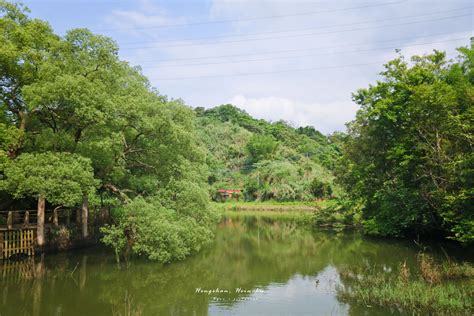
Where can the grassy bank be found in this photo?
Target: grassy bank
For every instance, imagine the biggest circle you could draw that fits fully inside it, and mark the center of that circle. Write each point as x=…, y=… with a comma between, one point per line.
x=300, y=213
x=301, y=218
x=323, y=213
x=432, y=288
x=271, y=206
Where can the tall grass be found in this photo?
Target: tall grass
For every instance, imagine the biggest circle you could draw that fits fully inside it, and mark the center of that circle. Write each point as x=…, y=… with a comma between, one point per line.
x=127, y=307
x=299, y=218
x=433, y=288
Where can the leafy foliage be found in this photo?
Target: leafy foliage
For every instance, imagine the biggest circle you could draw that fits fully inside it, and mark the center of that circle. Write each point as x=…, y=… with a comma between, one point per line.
x=75, y=118
x=61, y=178
x=268, y=160
x=409, y=156
x=320, y=189
x=261, y=147
x=160, y=230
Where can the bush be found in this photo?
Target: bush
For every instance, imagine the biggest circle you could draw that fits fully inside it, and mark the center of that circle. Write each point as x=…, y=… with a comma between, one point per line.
x=320, y=189
x=165, y=227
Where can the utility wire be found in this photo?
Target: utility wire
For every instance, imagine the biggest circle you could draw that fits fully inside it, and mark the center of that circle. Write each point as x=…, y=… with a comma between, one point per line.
x=269, y=72
x=303, y=50
x=299, y=35
x=297, y=30
x=307, y=55
x=275, y=72
x=251, y=18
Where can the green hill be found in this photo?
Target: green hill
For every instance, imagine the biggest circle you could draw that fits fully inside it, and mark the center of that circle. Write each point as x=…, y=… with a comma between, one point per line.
x=266, y=160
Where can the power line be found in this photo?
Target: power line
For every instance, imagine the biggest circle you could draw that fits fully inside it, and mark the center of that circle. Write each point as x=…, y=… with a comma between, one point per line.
x=275, y=72
x=307, y=55
x=298, y=35
x=252, y=18
x=297, y=30
x=302, y=50
x=269, y=72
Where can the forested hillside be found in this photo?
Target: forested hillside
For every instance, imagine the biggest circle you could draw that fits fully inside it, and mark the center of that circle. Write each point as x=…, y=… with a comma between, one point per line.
x=267, y=160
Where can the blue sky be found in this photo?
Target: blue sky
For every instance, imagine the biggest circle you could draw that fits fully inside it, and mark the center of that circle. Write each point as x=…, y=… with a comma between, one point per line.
x=293, y=60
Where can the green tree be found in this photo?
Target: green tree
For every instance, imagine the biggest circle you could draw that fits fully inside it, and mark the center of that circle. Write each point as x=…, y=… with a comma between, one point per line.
x=261, y=147
x=71, y=96
x=59, y=178
x=409, y=155
x=320, y=189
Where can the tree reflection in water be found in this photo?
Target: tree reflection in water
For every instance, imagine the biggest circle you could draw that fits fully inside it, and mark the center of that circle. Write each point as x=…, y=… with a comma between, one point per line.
x=277, y=266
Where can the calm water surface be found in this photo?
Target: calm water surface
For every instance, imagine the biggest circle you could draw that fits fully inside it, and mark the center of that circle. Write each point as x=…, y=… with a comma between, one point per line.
x=250, y=269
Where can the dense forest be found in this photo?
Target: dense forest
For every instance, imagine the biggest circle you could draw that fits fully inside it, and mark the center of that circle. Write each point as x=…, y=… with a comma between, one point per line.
x=408, y=158
x=80, y=128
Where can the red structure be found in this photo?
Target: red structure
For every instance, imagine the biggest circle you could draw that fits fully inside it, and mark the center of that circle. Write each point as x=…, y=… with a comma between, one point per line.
x=229, y=193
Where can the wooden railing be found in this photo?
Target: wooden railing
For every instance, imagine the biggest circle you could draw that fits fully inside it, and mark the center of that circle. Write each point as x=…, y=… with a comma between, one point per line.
x=14, y=242
x=28, y=218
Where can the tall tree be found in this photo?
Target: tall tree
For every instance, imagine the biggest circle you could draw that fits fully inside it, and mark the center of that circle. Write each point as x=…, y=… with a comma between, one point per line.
x=410, y=156
x=60, y=178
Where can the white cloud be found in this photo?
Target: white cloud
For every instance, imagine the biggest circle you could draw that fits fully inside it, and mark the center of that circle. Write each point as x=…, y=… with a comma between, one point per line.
x=326, y=117
x=320, y=97
x=144, y=15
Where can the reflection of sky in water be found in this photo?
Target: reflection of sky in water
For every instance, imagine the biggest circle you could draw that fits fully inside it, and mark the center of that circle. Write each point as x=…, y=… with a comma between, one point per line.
x=301, y=295
x=297, y=270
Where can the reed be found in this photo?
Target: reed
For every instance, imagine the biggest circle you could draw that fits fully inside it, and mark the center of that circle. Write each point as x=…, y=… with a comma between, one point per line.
x=429, y=288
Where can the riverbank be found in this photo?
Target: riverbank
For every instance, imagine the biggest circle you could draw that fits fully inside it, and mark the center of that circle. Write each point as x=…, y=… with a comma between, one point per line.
x=327, y=214
x=300, y=213
x=272, y=206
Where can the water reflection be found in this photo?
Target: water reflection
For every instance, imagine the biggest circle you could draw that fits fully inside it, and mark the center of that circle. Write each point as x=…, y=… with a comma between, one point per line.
x=251, y=269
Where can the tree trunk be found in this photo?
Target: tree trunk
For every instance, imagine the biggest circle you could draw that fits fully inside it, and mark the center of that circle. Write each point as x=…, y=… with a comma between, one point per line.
x=40, y=224
x=23, y=116
x=85, y=215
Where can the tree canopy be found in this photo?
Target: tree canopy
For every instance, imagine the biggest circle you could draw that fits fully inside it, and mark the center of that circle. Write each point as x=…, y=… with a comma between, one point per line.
x=409, y=155
x=75, y=119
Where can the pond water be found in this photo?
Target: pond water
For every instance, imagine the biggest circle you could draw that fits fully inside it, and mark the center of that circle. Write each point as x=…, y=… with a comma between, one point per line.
x=250, y=269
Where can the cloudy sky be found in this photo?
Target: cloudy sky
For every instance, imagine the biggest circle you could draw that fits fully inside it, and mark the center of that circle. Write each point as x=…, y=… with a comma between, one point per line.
x=293, y=60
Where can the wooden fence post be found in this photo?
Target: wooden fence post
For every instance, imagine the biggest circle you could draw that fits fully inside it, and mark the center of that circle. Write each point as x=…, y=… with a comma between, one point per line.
x=55, y=217
x=26, y=219
x=10, y=220
x=40, y=224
